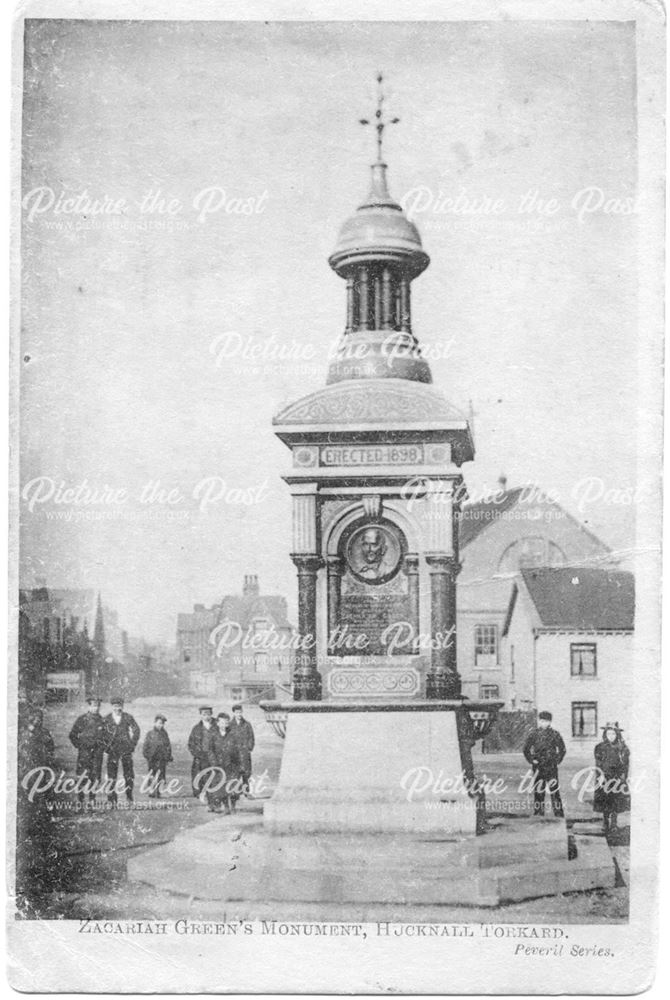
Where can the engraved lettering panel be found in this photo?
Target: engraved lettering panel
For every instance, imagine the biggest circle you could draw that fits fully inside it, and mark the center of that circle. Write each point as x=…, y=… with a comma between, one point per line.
x=373, y=454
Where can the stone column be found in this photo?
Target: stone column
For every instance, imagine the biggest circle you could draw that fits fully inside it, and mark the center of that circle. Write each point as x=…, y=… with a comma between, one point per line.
x=306, y=677
x=412, y=571
x=363, y=292
x=405, y=322
x=350, y=305
x=377, y=301
x=335, y=568
x=387, y=303
x=443, y=680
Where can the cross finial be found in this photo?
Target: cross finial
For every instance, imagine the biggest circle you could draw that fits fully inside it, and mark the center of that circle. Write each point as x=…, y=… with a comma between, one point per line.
x=379, y=121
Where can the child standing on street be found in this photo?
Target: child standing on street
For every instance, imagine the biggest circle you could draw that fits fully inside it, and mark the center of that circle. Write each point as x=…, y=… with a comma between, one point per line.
x=158, y=752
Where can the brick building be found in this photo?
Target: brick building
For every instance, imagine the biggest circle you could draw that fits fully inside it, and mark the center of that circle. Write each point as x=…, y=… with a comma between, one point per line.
x=239, y=649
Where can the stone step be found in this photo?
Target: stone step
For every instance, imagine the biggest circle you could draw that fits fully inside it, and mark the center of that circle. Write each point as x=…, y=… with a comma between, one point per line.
x=259, y=867
x=545, y=839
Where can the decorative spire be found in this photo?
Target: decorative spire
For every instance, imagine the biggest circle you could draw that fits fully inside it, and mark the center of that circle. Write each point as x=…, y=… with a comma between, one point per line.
x=99, y=629
x=379, y=122
x=379, y=253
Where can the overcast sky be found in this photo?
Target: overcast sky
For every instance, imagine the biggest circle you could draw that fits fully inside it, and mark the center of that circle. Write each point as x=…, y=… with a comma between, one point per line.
x=126, y=317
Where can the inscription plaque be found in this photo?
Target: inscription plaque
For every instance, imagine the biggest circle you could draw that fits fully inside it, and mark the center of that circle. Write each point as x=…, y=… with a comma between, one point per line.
x=372, y=454
x=374, y=604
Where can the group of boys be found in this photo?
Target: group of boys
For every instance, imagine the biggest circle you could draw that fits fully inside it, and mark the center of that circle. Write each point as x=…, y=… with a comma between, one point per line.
x=219, y=743
x=225, y=744
x=116, y=735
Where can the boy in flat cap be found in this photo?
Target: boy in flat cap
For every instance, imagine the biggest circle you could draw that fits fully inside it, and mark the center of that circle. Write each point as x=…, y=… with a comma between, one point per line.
x=87, y=736
x=158, y=752
x=242, y=738
x=544, y=750
x=121, y=737
x=201, y=746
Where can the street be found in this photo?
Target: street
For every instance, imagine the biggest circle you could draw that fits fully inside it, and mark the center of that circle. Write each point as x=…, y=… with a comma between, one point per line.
x=82, y=868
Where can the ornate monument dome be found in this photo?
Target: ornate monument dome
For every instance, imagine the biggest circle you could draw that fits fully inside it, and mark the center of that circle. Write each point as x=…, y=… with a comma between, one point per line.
x=379, y=253
x=379, y=232
x=378, y=378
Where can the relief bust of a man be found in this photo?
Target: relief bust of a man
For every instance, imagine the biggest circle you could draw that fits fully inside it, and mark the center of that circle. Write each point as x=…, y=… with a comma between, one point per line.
x=373, y=553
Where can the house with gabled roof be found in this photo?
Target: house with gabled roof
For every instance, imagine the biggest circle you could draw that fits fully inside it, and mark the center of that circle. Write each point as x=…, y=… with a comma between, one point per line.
x=511, y=530
x=240, y=649
x=568, y=647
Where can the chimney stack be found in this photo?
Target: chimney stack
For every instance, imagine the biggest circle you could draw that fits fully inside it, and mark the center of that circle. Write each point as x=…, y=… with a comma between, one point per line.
x=250, y=587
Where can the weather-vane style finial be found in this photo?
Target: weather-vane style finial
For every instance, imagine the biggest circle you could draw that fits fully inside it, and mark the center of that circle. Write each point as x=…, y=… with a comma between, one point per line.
x=379, y=122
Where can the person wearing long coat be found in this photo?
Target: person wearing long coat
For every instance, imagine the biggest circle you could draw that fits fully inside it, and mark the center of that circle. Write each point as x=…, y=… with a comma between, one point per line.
x=544, y=750
x=87, y=736
x=611, y=795
x=242, y=738
x=201, y=747
x=122, y=735
x=228, y=759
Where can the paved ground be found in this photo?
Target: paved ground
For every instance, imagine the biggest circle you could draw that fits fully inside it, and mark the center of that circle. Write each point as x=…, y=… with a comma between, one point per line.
x=80, y=867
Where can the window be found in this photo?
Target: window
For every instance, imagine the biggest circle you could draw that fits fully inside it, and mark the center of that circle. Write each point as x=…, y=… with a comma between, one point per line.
x=486, y=645
x=584, y=718
x=583, y=659
x=490, y=692
x=260, y=663
x=534, y=550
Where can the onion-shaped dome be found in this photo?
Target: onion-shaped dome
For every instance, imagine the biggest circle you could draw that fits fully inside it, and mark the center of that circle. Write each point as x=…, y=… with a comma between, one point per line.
x=380, y=232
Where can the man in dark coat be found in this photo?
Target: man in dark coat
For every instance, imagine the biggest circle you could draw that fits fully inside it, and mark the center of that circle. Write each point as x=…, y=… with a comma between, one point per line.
x=36, y=836
x=544, y=750
x=87, y=736
x=121, y=737
x=158, y=752
x=611, y=795
x=201, y=747
x=227, y=758
x=242, y=738
x=36, y=745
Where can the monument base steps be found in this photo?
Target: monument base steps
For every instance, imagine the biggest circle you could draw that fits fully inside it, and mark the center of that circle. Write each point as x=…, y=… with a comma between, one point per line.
x=244, y=863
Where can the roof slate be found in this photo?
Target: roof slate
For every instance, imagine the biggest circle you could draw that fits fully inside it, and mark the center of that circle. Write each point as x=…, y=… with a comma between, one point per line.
x=582, y=599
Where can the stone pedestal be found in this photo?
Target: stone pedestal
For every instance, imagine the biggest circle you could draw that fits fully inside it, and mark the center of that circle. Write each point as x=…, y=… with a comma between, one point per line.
x=413, y=877
x=373, y=768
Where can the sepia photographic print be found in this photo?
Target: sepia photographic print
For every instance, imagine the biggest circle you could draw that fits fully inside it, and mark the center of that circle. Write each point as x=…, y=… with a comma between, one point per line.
x=336, y=452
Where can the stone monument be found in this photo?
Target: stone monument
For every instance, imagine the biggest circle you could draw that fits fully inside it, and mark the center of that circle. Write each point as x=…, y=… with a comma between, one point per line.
x=376, y=805
x=376, y=487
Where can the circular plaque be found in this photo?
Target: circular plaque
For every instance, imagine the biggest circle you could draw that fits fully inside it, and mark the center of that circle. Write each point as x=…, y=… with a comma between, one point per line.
x=373, y=551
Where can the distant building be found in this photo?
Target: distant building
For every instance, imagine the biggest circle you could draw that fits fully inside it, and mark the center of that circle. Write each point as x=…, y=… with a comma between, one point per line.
x=56, y=656
x=510, y=531
x=195, y=653
x=240, y=649
x=568, y=648
x=52, y=614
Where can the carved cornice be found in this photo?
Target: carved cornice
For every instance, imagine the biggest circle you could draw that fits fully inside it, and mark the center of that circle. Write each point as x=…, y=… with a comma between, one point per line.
x=373, y=401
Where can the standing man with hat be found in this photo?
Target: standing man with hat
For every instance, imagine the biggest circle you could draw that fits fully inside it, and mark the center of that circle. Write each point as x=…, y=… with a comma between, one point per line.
x=121, y=737
x=242, y=738
x=201, y=746
x=87, y=736
x=544, y=750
